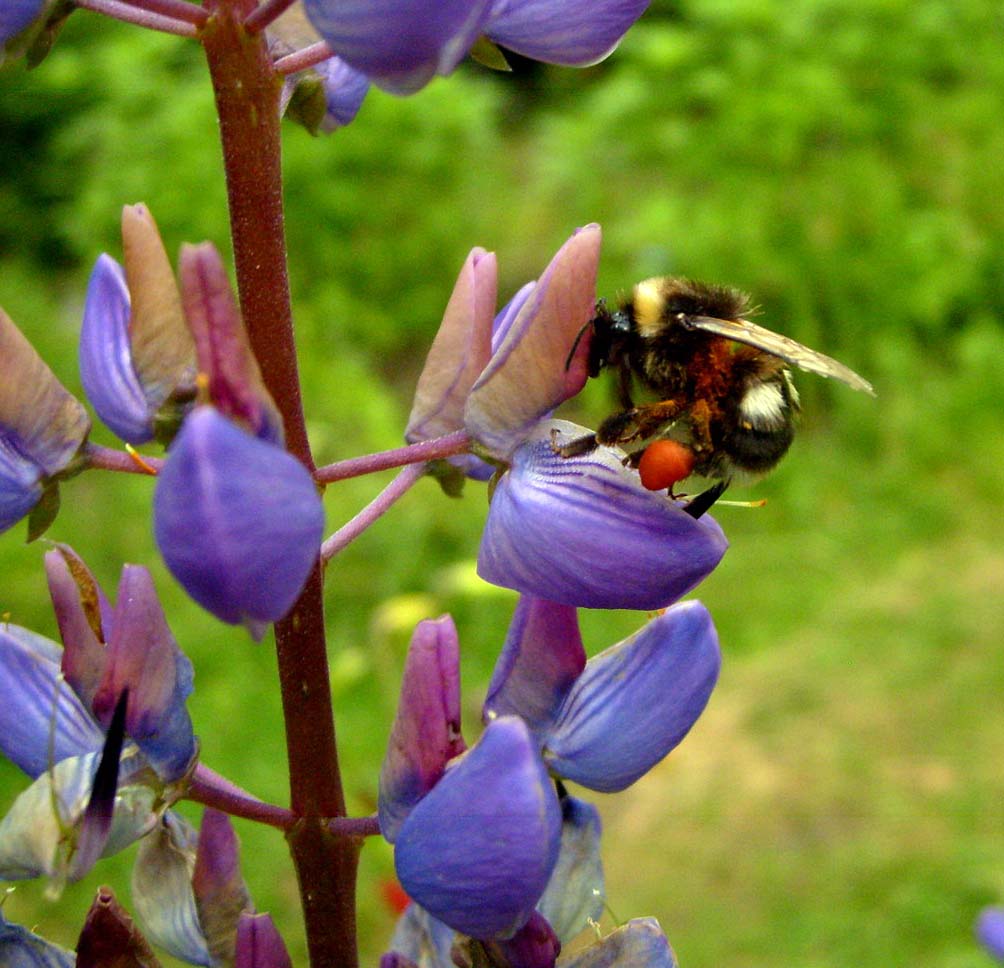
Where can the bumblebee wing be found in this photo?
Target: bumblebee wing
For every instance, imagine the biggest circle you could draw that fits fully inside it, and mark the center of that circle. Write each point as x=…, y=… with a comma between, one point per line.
x=743, y=331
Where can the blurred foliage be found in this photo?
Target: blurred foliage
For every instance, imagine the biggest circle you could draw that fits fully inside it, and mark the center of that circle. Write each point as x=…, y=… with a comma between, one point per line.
x=841, y=800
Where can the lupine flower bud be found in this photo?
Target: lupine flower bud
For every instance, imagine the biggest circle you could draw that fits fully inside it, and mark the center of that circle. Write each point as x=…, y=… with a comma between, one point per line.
x=238, y=521
x=259, y=944
x=530, y=371
x=459, y=352
x=110, y=937
x=137, y=358
x=236, y=387
x=426, y=733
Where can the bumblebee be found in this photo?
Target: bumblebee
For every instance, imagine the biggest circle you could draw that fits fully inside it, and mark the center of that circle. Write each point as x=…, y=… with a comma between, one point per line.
x=722, y=384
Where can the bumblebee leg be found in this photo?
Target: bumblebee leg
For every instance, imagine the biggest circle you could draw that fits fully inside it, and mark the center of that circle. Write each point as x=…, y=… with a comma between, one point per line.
x=585, y=444
x=704, y=501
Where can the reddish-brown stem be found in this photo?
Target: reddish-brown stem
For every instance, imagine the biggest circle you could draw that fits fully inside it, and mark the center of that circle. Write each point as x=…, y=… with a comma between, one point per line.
x=247, y=102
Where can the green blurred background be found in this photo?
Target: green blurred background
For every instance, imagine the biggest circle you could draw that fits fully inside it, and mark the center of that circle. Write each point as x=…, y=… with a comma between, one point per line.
x=841, y=802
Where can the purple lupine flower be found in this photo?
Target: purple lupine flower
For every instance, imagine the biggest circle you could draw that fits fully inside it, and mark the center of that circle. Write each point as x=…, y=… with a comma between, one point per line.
x=259, y=944
x=19, y=948
x=188, y=890
x=478, y=850
x=107, y=652
x=119, y=671
x=426, y=733
x=137, y=358
x=630, y=706
x=402, y=44
x=990, y=931
x=579, y=530
x=16, y=16
x=42, y=430
x=238, y=521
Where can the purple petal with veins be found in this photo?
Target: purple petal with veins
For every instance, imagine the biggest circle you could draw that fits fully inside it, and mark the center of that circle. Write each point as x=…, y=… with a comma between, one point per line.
x=583, y=531
x=636, y=701
x=36, y=702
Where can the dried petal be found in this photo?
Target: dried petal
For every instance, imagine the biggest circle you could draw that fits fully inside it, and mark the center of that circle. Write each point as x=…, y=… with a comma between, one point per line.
x=575, y=894
x=640, y=942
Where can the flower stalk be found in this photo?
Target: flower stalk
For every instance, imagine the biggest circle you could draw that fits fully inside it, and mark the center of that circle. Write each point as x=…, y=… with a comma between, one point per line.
x=247, y=99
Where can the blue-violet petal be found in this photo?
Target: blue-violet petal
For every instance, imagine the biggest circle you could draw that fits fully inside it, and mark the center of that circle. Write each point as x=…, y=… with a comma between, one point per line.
x=583, y=531
x=636, y=701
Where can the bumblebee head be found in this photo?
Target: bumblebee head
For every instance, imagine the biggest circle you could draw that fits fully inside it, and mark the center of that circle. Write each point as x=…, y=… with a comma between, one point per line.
x=610, y=332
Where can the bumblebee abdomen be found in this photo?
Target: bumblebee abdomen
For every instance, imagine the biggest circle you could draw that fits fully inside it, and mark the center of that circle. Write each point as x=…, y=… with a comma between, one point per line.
x=762, y=426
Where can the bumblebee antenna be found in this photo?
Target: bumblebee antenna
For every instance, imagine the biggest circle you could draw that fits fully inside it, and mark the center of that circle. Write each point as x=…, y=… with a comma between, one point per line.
x=575, y=345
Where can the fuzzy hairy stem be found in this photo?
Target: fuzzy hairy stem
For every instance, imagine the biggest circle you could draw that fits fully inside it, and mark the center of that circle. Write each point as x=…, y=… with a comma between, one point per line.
x=247, y=101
